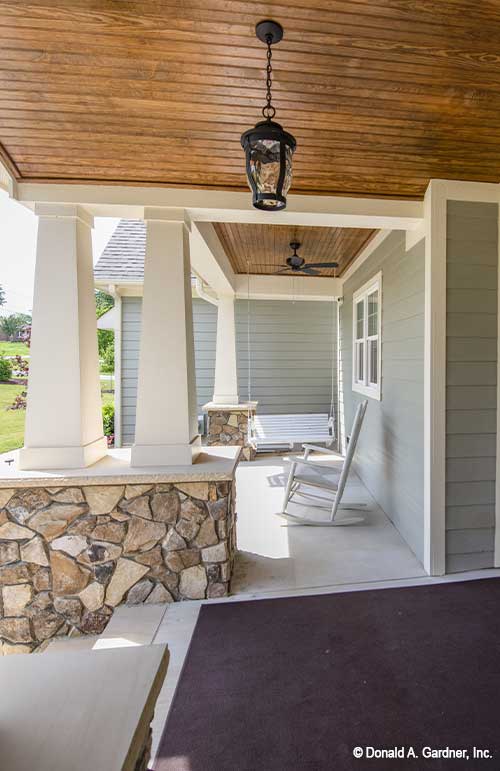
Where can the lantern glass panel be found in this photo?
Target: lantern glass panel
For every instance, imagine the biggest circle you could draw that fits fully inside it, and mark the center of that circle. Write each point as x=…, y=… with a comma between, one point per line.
x=265, y=165
x=288, y=170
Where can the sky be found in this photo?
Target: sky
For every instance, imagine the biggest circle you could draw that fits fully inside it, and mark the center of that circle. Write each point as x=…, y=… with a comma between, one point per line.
x=18, y=227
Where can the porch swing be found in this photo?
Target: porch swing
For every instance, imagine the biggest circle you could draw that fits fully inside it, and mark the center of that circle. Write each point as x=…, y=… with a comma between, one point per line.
x=274, y=432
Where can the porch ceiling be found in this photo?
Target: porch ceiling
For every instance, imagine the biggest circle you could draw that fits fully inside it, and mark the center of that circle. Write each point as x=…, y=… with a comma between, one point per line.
x=381, y=96
x=264, y=248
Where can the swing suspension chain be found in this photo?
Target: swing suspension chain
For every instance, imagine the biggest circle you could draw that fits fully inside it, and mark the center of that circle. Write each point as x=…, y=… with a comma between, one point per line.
x=249, y=358
x=249, y=366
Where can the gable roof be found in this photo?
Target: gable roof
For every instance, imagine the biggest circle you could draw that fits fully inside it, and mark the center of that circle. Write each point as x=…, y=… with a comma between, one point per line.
x=123, y=256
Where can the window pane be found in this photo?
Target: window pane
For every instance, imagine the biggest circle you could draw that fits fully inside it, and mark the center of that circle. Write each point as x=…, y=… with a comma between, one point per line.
x=373, y=313
x=360, y=375
x=360, y=316
x=373, y=361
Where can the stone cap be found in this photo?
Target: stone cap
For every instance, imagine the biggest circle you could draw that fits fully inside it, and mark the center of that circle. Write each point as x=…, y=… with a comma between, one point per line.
x=241, y=407
x=213, y=464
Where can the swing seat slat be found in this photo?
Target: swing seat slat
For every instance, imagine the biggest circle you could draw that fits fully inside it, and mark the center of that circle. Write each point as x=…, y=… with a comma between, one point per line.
x=288, y=430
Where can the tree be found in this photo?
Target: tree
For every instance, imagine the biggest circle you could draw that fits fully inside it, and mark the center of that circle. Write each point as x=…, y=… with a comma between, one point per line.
x=103, y=302
x=2, y=295
x=105, y=337
x=12, y=324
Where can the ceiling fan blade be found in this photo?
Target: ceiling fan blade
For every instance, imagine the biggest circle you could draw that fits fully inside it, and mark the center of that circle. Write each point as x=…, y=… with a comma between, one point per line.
x=282, y=270
x=309, y=272
x=321, y=265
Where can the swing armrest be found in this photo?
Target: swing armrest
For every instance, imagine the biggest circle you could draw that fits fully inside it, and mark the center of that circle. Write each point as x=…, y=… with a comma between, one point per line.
x=316, y=448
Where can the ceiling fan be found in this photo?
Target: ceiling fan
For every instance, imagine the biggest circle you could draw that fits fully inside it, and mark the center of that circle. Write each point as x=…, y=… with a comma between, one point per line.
x=297, y=264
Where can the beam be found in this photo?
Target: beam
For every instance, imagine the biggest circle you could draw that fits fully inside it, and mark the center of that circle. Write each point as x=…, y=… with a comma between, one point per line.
x=226, y=206
x=287, y=288
x=209, y=260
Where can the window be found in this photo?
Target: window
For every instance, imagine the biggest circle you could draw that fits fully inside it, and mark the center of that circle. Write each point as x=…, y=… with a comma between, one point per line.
x=367, y=327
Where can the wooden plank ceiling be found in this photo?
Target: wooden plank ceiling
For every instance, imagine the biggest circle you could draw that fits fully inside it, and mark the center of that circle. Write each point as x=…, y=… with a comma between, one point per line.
x=262, y=249
x=382, y=95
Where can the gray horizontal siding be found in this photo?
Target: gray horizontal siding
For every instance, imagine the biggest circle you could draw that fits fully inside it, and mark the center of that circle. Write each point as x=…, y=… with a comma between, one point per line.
x=390, y=451
x=291, y=352
x=292, y=345
x=205, y=332
x=205, y=338
x=131, y=330
x=471, y=396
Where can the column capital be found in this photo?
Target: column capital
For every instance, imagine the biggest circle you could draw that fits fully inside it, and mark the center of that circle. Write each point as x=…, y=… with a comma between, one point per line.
x=167, y=214
x=64, y=211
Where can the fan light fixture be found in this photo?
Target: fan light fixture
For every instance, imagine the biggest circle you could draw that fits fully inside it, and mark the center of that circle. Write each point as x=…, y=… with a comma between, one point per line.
x=268, y=148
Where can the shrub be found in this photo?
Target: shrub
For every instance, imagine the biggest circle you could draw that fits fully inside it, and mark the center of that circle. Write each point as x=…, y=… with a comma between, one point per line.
x=20, y=402
x=108, y=359
x=5, y=369
x=22, y=366
x=108, y=419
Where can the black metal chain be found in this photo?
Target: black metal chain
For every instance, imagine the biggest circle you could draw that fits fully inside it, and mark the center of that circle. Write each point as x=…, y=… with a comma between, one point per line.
x=268, y=111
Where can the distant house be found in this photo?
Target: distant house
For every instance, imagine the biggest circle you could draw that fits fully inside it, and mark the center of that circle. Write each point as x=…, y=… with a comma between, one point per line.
x=24, y=333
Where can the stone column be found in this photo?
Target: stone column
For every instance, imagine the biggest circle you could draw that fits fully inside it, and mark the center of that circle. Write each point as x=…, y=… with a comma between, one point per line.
x=166, y=423
x=64, y=418
x=226, y=379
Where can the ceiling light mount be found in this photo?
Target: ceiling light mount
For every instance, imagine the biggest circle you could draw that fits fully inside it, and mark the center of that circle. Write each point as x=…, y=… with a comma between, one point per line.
x=268, y=148
x=269, y=31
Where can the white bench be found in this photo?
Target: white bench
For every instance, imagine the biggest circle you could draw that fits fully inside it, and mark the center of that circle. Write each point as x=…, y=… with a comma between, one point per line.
x=284, y=431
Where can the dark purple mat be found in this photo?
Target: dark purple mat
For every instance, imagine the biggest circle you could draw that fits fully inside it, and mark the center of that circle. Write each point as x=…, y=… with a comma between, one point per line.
x=298, y=683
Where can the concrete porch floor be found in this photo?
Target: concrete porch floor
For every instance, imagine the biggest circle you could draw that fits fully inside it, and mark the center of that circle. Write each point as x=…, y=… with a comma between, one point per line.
x=277, y=556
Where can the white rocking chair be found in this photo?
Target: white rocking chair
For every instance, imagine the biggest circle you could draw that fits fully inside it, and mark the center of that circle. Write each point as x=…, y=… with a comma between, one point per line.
x=305, y=474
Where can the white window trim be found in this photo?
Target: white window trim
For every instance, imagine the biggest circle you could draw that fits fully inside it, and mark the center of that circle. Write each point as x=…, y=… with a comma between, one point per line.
x=372, y=391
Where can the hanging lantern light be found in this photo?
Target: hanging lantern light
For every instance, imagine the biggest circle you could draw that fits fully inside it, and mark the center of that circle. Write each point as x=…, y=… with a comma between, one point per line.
x=268, y=148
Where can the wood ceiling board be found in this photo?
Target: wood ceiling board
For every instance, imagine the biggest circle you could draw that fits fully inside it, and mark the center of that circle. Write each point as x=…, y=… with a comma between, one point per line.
x=263, y=249
x=381, y=96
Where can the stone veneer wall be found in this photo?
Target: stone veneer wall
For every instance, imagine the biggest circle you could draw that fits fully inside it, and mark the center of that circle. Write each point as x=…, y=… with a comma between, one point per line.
x=70, y=555
x=230, y=427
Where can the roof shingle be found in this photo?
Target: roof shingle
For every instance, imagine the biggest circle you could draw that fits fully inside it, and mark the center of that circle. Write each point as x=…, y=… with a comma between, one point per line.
x=123, y=256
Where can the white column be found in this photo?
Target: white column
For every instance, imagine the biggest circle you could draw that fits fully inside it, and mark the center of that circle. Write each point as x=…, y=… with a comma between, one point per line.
x=226, y=379
x=166, y=429
x=63, y=418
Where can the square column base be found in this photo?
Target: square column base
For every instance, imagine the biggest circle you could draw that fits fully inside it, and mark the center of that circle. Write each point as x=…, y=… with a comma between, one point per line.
x=39, y=458
x=228, y=425
x=165, y=454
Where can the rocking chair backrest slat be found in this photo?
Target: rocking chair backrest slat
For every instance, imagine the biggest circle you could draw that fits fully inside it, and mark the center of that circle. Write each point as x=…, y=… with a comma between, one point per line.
x=351, y=447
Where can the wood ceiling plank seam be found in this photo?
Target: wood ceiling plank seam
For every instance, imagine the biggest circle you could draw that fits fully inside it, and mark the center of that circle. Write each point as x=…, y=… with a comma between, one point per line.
x=28, y=112
x=387, y=8
x=34, y=151
x=484, y=113
x=370, y=14
x=375, y=24
x=384, y=84
x=405, y=62
x=8, y=124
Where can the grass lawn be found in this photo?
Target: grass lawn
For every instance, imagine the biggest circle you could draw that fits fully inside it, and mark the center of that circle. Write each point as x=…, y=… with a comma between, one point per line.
x=14, y=349
x=12, y=421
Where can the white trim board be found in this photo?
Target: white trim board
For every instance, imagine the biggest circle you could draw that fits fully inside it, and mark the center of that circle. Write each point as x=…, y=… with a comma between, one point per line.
x=435, y=381
x=129, y=201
